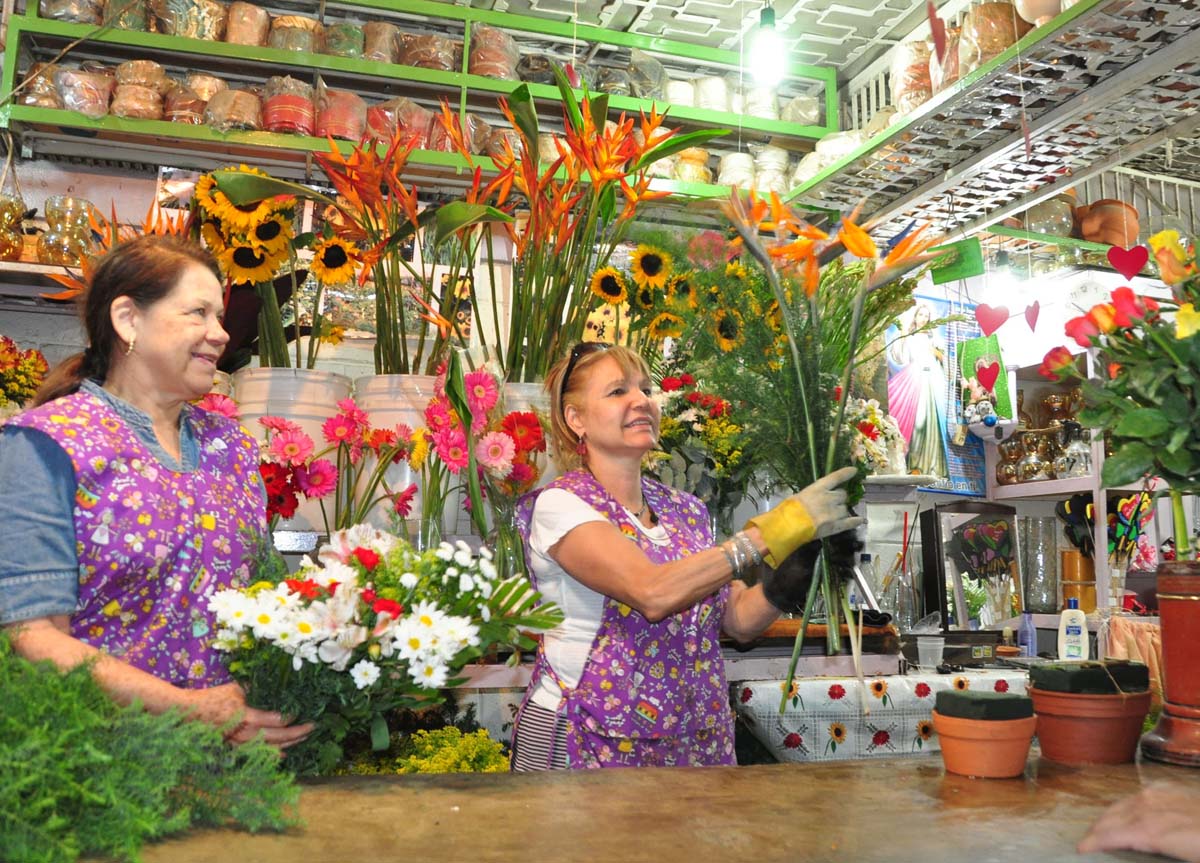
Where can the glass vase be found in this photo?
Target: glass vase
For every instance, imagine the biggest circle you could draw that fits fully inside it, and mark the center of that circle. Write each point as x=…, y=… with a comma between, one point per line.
x=1039, y=564
x=508, y=553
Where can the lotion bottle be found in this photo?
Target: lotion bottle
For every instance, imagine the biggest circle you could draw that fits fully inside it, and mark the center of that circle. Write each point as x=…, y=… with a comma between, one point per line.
x=1072, y=633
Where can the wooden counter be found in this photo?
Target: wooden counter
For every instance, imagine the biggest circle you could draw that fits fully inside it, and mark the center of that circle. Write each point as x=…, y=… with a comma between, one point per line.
x=899, y=811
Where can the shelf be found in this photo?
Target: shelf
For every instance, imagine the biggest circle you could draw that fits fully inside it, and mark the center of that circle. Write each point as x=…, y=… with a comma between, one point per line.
x=1101, y=84
x=29, y=280
x=1044, y=490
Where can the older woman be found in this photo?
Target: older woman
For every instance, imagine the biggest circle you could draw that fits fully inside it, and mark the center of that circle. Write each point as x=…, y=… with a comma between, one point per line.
x=124, y=506
x=634, y=676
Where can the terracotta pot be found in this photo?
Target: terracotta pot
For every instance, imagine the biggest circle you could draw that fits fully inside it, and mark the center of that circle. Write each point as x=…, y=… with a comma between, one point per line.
x=1073, y=728
x=993, y=749
x=1109, y=221
x=1176, y=737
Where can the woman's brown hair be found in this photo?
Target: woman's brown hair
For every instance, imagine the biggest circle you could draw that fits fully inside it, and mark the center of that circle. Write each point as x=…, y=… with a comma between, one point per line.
x=565, y=382
x=144, y=269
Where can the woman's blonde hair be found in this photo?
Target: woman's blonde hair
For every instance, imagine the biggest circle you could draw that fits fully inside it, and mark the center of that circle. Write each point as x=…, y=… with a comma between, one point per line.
x=565, y=383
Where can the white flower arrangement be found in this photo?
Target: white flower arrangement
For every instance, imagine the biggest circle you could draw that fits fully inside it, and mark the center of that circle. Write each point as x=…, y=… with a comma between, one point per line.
x=876, y=438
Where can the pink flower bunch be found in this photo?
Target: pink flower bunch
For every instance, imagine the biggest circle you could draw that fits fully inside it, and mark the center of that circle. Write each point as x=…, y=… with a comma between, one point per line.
x=505, y=443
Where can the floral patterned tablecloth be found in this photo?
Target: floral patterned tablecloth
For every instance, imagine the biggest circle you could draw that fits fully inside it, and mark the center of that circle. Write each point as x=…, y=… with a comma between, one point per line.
x=833, y=719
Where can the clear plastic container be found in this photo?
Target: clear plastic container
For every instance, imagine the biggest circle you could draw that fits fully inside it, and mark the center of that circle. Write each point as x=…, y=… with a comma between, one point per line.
x=40, y=92
x=143, y=73
x=182, y=104
x=86, y=92
x=205, y=86
x=136, y=102
x=344, y=39
x=494, y=53
x=234, y=109
x=428, y=51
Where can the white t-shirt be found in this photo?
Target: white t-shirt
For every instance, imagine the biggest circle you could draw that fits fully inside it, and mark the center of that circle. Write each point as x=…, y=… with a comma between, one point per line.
x=555, y=514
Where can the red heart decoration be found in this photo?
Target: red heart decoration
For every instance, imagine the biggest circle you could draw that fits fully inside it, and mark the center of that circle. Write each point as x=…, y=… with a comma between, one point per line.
x=1031, y=314
x=987, y=376
x=1128, y=262
x=990, y=319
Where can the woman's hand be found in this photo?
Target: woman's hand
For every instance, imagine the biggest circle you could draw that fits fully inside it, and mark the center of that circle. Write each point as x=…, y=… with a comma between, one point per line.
x=225, y=707
x=1160, y=819
x=815, y=511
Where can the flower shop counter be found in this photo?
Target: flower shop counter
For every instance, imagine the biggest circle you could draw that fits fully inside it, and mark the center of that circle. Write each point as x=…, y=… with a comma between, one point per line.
x=864, y=811
x=835, y=718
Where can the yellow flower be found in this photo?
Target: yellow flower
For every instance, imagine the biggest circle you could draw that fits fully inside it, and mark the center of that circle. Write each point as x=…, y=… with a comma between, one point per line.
x=238, y=218
x=878, y=688
x=727, y=327
x=1187, y=321
x=1170, y=255
x=924, y=729
x=244, y=263
x=735, y=269
x=644, y=298
x=609, y=285
x=210, y=232
x=419, y=449
x=334, y=261
x=837, y=732
x=961, y=683
x=681, y=293
x=666, y=324
x=792, y=691
x=650, y=266
x=332, y=335
x=272, y=234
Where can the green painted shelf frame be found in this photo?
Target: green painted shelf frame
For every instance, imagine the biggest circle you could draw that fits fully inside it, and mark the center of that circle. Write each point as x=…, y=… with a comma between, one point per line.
x=459, y=86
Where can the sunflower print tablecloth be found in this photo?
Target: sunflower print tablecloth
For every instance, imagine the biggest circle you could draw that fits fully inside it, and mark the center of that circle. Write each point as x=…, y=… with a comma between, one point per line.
x=834, y=718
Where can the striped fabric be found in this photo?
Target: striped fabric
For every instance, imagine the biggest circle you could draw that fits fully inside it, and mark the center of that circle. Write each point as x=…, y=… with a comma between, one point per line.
x=532, y=738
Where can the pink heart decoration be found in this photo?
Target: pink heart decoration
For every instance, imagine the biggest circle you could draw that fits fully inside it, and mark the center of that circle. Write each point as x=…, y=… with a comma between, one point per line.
x=987, y=376
x=937, y=27
x=1031, y=314
x=990, y=319
x=1128, y=262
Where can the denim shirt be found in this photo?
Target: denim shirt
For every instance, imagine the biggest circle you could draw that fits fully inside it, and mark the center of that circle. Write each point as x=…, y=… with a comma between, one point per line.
x=39, y=569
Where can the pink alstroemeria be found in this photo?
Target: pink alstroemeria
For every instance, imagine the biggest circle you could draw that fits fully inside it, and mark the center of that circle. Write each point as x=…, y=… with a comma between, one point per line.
x=291, y=447
x=318, y=479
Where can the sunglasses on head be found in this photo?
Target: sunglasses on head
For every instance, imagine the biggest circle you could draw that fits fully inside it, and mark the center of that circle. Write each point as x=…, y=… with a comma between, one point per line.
x=580, y=350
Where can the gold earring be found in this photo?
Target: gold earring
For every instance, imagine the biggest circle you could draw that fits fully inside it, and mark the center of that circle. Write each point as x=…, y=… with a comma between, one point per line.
x=132, y=342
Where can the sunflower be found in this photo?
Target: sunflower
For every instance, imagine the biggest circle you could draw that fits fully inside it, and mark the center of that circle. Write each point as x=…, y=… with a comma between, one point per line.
x=924, y=729
x=334, y=261
x=609, y=285
x=666, y=324
x=235, y=218
x=650, y=266
x=680, y=292
x=644, y=298
x=213, y=238
x=736, y=270
x=961, y=683
x=206, y=193
x=878, y=688
x=774, y=317
x=837, y=732
x=271, y=235
x=244, y=263
x=727, y=327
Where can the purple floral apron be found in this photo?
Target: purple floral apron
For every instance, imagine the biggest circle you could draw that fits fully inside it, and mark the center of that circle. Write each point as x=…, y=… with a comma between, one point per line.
x=154, y=544
x=651, y=694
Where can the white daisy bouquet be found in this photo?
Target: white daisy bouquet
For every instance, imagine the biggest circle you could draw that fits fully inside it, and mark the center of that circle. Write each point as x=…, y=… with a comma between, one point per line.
x=875, y=438
x=370, y=627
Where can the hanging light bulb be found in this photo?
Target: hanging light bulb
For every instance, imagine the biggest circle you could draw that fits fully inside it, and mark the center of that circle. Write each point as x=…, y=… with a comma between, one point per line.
x=768, y=61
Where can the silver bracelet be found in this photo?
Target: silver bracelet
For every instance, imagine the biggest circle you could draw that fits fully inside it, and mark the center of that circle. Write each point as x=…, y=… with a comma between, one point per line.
x=729, y=556
x=752, y=553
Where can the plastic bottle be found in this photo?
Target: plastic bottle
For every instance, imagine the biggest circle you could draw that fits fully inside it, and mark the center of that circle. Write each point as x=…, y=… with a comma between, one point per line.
x=1027, y=635
x=1072, y=632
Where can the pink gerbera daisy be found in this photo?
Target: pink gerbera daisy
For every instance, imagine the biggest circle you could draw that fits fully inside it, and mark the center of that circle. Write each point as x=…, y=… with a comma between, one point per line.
x=219, y=404
x=403, y=500
x=340, y=429
x=291, y=447
x=522, y=475
x=495, y=451
x=278, y=424
x=451, y=446
x=437, y=413
x=482, y=395
x=317, y=479
x=353, y=412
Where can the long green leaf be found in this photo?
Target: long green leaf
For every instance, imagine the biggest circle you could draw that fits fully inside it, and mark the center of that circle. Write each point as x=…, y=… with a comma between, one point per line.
x=242, y=188
x=570, y=102
x=599, y=109
x=525, y=115
x=457, y=215
x=456, y=393
x=676, y=143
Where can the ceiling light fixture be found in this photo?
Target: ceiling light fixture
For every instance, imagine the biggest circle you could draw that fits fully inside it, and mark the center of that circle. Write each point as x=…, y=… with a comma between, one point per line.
x=768, y=61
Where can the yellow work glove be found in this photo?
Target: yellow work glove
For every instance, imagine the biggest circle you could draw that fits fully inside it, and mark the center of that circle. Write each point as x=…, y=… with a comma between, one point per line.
x=813, y=512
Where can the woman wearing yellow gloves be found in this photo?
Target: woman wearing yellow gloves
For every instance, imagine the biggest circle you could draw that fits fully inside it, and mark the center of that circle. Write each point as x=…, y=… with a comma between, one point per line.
x=634, y=676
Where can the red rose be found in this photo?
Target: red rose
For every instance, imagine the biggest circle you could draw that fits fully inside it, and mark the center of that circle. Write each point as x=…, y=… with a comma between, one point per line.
x=837, y=692
x=746, y=695
x=693, y=397
x=1055, y=362
x=366, y=557
x=389, y=607
x=669, y=385
x=922, y=690
x=687, y=380
x=1002, y=686
x=880, y=738
x=793, y=741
